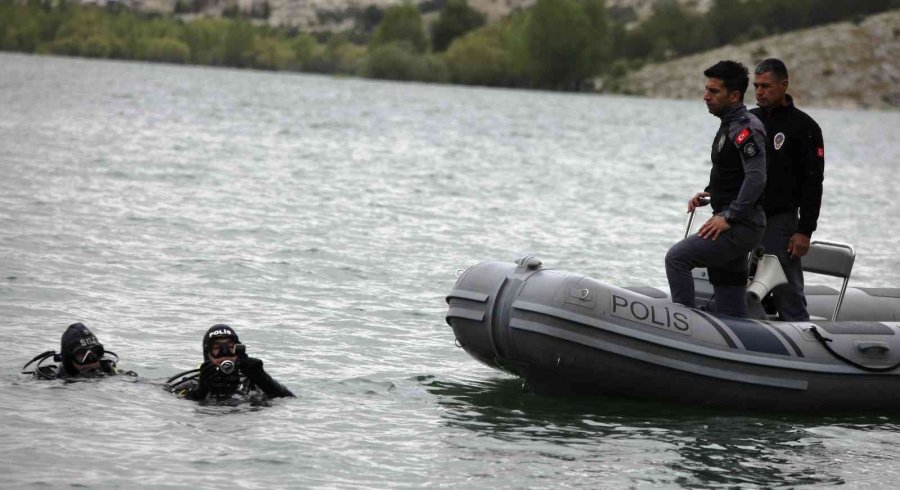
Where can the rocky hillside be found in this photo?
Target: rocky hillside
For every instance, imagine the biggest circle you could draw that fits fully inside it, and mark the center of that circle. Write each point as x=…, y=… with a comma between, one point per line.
x=842, y=65
x=336, y=15
x=642, y=9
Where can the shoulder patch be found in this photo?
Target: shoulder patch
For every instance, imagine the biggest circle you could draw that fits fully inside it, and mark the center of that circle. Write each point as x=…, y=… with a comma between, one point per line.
x=742, y=136
x=750, y=149
x=820, y=152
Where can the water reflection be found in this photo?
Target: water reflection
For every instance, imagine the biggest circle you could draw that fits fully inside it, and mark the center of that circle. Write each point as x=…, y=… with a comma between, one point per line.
x=710, y=448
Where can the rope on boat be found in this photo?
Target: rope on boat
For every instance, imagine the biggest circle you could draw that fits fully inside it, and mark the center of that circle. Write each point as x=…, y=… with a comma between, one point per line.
x=824, y=341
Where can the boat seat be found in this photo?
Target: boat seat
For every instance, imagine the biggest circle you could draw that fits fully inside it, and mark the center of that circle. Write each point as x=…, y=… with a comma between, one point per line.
x=831, y=259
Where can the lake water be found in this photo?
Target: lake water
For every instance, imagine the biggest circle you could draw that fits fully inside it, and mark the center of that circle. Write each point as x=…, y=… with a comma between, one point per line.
x=325, y=219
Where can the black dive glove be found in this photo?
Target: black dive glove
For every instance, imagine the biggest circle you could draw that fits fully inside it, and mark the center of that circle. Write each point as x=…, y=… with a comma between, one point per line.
x=208, y=372
x=108, y=366
x=248, y=365
x=252, y=368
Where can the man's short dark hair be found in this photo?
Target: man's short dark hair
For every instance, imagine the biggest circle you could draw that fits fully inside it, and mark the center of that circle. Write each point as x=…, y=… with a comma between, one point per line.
x=734, y=75
x=774, y=65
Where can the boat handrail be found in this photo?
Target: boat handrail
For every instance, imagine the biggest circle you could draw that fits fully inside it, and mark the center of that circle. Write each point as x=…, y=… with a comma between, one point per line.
x=703, y=202
x=831, y=259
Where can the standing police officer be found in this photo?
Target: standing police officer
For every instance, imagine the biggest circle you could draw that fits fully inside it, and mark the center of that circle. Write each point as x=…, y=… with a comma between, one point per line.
x=736, y=184
x=795, y=156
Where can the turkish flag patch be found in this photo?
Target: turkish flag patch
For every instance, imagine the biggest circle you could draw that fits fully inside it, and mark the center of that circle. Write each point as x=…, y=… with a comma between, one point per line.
x=820, y=152
x=742, y=136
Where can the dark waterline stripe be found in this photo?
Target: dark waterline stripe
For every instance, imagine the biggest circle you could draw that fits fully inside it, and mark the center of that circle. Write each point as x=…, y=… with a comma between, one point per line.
x=724, y=333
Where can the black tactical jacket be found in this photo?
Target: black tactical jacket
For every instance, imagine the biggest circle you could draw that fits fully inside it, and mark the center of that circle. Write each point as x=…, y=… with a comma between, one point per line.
x=738, y=175
x=795, y=163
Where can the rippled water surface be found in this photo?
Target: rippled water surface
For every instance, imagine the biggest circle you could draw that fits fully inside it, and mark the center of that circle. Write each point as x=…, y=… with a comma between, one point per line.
x=325, y=220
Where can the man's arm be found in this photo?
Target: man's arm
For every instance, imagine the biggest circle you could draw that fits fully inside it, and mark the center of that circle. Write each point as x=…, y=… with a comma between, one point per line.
x=811, y=174
x=753, y=157
x=253, y=369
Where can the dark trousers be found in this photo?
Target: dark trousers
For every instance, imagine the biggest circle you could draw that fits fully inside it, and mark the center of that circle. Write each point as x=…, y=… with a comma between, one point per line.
x=789, y=298
x=725, y=258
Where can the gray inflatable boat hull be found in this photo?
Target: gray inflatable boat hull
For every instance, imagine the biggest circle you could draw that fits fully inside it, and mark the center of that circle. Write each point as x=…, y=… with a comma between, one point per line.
x=570, y=334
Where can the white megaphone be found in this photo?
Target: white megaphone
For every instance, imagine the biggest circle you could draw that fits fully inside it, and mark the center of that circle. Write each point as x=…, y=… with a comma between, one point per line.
x=769, y=275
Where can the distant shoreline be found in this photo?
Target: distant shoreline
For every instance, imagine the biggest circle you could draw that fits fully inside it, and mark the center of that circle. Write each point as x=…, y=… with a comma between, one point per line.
x=586, y=93
x=850, y=64
x=838, y=66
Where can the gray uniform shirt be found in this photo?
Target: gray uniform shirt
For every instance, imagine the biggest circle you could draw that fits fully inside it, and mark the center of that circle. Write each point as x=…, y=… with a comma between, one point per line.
x=746, y=133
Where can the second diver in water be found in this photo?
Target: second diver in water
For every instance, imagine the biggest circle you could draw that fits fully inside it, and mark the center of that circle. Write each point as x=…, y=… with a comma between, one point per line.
x=227, y=371
x=80, y=356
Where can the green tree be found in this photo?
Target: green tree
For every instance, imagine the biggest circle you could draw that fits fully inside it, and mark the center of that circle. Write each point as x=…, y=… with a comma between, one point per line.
x=167, y=49
x=727, y=19
x=305, y=49
x=455, y=19
x=673, y=32
x=206, y=38
x=346, y=56
x=50, y=22
x=26, y=36
x=400, y=61
x=515, y=38
x=557, y=40
x=337, y=56
x=96, y=46
x=6, y=24
x=65, y=46
x=599, y=37
x=480, y=58
x=270, y=53
x=238, y=47
x=401, y=23
x=493, y=55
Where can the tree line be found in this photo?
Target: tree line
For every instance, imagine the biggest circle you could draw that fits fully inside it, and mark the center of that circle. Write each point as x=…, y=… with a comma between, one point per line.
x=556, y=44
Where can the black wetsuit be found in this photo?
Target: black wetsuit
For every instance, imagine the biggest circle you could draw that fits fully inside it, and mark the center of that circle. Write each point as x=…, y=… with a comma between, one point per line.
x=210, y=382
x=107, y=368
x=795, y=156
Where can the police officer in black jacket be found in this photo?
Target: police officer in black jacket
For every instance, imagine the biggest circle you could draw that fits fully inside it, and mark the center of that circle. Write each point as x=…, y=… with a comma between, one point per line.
x=226, y=371
x=795, y=156
x=736, y=184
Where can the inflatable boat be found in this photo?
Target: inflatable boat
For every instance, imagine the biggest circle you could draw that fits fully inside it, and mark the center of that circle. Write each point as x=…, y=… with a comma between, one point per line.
x=566, y=333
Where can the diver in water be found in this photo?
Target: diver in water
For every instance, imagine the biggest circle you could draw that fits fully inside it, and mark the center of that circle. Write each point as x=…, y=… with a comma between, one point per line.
x=80, y=355
x=226, y=371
